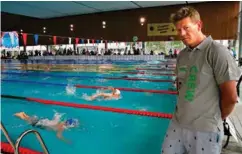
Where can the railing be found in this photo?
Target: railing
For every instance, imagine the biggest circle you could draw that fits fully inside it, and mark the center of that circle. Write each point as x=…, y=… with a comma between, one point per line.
x=6, y=135
x=38, y=137
x=16, y=146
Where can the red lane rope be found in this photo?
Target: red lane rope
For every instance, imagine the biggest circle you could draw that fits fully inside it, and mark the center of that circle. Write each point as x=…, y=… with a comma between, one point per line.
x=164, y=74
x=102, y=108
x=130, y=89
x=161, y=74
x=155, y=69
x=6, y=147
x=96, y=87
x=158, y=67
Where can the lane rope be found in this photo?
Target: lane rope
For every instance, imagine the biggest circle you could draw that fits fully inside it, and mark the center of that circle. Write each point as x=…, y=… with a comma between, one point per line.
x=94, y=87
x=86, y=77
x=93, y=107
x=145, y=73
x=155, y=69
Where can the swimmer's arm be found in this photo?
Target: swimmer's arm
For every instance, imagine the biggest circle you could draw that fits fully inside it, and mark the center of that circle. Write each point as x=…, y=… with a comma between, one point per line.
x=60, y=130
x=111, y=88
x=107, y=88
x=59, y=134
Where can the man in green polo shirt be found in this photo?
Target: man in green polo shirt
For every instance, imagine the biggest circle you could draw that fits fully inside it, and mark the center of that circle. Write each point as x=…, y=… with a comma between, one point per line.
x=206, y=80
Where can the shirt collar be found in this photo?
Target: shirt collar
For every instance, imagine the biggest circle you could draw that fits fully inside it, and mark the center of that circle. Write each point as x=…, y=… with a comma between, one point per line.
x=202, y=45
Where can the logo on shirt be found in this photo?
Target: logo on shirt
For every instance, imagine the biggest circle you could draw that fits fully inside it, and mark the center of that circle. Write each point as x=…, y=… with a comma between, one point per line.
x=191, y=84
x=183, y=69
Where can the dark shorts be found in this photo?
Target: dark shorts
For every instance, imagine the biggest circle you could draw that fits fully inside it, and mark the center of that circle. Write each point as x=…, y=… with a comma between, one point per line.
x=34, y=123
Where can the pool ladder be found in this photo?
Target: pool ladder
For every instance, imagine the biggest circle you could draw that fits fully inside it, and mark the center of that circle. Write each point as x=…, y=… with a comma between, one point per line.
x=16, y=146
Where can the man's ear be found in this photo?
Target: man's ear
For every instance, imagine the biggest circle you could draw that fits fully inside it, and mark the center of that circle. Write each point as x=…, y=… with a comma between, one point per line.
x=199, y=25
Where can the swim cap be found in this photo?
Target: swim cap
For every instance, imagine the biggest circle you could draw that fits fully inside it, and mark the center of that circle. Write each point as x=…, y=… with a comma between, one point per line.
x=71, y=122
x=117, y=92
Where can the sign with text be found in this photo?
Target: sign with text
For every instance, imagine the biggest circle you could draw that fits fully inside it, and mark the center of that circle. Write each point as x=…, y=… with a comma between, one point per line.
x=161, y=29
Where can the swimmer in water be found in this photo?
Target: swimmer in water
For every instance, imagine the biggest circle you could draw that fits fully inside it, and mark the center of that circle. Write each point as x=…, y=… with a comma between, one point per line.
x=114, y=94
x=58, y=123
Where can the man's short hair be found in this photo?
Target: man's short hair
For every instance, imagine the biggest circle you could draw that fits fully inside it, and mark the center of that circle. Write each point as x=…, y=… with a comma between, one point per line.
x=185, y=12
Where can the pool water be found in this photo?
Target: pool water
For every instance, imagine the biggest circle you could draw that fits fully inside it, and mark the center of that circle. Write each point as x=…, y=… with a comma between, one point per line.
x=99, y=131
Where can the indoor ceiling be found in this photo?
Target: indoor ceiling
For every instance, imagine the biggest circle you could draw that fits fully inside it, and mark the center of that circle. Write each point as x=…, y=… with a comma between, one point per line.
x=52, y=9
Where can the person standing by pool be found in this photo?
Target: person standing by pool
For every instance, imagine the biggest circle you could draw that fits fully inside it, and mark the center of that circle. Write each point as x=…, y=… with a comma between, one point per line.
x=206, y=76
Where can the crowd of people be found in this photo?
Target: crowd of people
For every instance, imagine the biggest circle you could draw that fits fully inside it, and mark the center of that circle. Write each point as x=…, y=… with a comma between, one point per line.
x=69, y=51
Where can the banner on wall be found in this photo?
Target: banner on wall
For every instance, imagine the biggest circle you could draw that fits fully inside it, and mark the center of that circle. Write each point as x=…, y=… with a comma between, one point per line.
x=25, y=38
x=54, y=40
x=77, y=40
x=82, y=41
x=36, y=38
x=161, y=29
x=10, y=39
x=69, y=40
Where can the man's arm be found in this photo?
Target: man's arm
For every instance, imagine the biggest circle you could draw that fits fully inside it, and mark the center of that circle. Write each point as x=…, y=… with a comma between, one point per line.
x=226, y=72
x=228, y=98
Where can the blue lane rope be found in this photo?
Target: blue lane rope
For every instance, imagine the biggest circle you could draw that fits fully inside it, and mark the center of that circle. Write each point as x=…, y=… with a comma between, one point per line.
x=87, y=77
x=52, y=75
x=35, y=82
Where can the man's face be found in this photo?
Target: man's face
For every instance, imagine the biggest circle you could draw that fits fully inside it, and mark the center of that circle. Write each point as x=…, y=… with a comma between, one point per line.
x=189, y=31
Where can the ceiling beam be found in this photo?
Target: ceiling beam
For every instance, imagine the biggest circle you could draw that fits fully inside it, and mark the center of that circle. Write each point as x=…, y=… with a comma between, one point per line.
x=80, y=3
x=136, y=4
x=42, y=8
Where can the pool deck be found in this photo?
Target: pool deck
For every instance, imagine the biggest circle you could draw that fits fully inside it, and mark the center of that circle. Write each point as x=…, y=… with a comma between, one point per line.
x=233, y=148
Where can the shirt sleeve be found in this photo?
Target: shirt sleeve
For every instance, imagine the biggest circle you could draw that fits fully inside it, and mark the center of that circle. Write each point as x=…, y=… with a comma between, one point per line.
x=224, y=65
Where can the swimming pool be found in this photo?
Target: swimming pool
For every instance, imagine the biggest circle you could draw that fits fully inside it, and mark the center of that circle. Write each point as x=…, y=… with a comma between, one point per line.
x=99, y=131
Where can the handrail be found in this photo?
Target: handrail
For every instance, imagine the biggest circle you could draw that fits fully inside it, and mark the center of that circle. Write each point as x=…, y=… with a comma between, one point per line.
x=6, y=135
x=38, y=137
